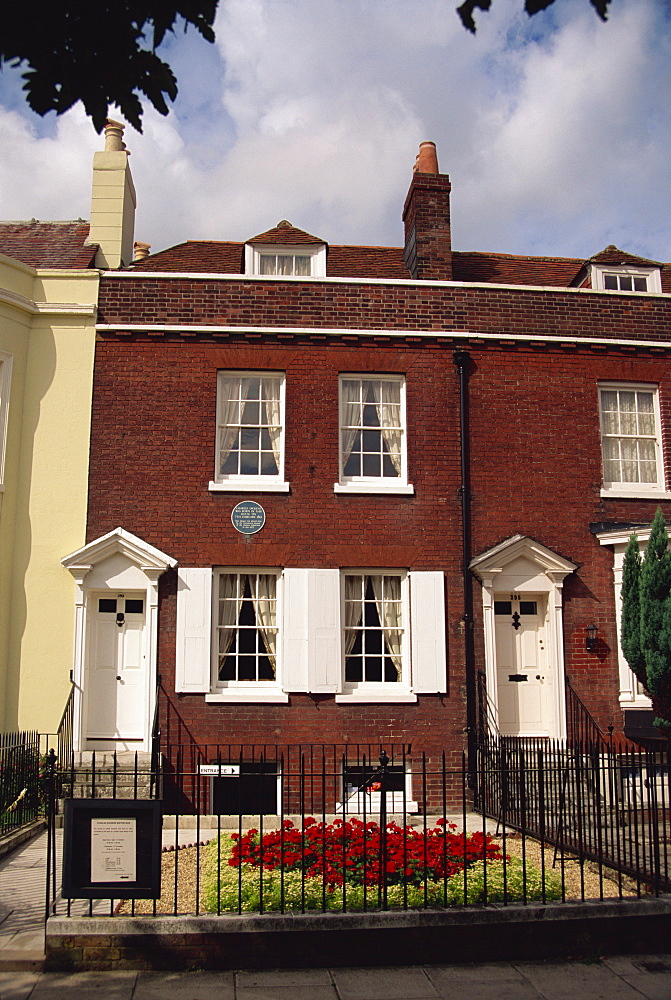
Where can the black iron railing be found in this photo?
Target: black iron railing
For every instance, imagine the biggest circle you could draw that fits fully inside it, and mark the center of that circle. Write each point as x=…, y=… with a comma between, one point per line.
x=581, y=726
x=606, y=804
x=65, y=731
x=343, y=827
x=20, y=780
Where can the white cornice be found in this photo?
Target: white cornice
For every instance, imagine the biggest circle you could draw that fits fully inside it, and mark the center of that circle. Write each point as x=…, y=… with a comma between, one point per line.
x=33, y=308
x=391, y=334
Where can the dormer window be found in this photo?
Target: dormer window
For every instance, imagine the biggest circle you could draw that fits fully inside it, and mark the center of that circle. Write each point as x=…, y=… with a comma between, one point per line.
x=626, y=279
x=286, y=252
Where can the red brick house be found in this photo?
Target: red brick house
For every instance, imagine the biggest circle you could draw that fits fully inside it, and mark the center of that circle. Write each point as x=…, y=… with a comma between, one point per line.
x=449, y=449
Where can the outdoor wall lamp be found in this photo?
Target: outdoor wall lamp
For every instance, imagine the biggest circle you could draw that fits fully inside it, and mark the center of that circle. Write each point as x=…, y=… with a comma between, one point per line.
x=590, y=641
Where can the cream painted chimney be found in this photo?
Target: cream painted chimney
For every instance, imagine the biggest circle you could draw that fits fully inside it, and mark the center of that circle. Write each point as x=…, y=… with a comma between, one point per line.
x=113, y=201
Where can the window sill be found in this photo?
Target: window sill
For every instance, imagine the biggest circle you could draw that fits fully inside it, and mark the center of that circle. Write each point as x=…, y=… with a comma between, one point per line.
x=637, y=701
x=393, y=489
x=249, y=695
x=248, y=486
x=375, y=698
x=635, y=494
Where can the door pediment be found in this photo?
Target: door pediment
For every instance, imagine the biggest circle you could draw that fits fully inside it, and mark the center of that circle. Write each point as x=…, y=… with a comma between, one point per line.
x=116, y=553
x=521, y=562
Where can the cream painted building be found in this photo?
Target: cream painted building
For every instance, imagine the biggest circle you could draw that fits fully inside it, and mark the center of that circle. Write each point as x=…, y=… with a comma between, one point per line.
x=49, y=279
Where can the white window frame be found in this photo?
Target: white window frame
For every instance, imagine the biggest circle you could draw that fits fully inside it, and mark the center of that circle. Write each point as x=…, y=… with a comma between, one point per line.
x=5, y=383
x=373, y=484
x=651, y=274
x=397, y=802
x=315, y=251
x=246, y=691
x=631, y=693
x=379, y=691
x=617, y=489
x=249, y=483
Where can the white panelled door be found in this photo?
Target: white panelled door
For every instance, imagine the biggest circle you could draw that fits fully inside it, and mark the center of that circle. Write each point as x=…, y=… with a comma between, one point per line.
x=117, y=669
x=523, y=671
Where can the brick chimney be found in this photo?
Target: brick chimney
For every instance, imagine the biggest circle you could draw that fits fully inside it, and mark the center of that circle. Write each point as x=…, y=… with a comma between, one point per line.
x=113, y=201
x=426, y=217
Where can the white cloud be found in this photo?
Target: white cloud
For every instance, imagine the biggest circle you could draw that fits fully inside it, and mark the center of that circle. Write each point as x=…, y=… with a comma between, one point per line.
x=557, y=140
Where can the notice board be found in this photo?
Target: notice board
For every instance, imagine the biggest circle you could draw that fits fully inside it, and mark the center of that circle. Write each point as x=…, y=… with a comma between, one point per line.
x=112, y=849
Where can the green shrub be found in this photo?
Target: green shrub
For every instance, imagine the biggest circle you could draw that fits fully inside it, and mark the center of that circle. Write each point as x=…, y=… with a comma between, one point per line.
x=511, y=882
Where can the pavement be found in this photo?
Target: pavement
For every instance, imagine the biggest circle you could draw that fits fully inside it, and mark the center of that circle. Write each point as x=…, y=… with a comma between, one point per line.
x=616, y=978
x=22, y=900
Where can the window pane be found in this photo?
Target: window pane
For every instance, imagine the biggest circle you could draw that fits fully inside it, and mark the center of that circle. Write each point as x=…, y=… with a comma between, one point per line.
x=640, y=284
x=629, y=436
x=373, y=628
x=610, y=281
x=268, y=264
x=250, y=424
x=302, y=265
x=373, y=404
x=626, y=284
x=247, y=631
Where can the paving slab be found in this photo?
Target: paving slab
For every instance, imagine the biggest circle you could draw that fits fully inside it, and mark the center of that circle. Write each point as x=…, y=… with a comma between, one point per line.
x=184, y=986
x=651, y=985
x=284, y=977
x=488, y=990
x=84, y=986
x=568, y=980
x=286, y=993
x=482, y=982
x=384, y=984
x=17, y=985
x=493, y=972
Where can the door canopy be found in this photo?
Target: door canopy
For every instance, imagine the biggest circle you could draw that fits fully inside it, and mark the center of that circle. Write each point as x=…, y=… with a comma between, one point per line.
x=521, y=563
x=133, y=550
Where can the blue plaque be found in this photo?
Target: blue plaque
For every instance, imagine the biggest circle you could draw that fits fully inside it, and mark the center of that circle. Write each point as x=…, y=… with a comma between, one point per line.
x=248, y=517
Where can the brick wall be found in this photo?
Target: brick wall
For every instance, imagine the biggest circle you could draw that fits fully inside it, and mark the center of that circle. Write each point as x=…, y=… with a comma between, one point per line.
x=536, y=466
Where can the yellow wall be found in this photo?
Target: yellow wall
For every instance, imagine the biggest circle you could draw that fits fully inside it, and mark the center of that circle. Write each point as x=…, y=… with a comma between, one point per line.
x=47, y=325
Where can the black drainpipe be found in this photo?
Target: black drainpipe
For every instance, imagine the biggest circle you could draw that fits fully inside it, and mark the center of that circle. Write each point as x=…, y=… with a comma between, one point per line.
x=462, y=360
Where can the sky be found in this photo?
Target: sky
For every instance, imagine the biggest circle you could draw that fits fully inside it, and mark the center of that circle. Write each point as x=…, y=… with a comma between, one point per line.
x=555, y=130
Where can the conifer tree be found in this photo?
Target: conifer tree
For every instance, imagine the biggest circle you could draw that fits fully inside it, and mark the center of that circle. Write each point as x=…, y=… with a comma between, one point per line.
x=648, y=647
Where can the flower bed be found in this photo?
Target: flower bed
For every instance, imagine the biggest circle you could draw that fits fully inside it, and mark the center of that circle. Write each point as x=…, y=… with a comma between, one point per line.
x=352, y=866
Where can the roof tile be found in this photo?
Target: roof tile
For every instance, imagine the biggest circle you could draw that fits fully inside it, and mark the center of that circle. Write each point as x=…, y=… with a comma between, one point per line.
x=48, y=244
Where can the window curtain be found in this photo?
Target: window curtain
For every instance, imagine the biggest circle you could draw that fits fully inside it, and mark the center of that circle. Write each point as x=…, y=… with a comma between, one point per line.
x=387, y=591
x=351, y=415
x=387, y=400
x=353, y=609
x=229, y=416
x=263, y=598
x=270, y=393
x=230, y=603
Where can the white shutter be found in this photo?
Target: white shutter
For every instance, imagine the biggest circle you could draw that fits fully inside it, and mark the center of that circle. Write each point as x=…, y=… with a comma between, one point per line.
x=293, y=630
x=311, y=659
x=194, y=631
x=427, y=632
x=324, y=657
